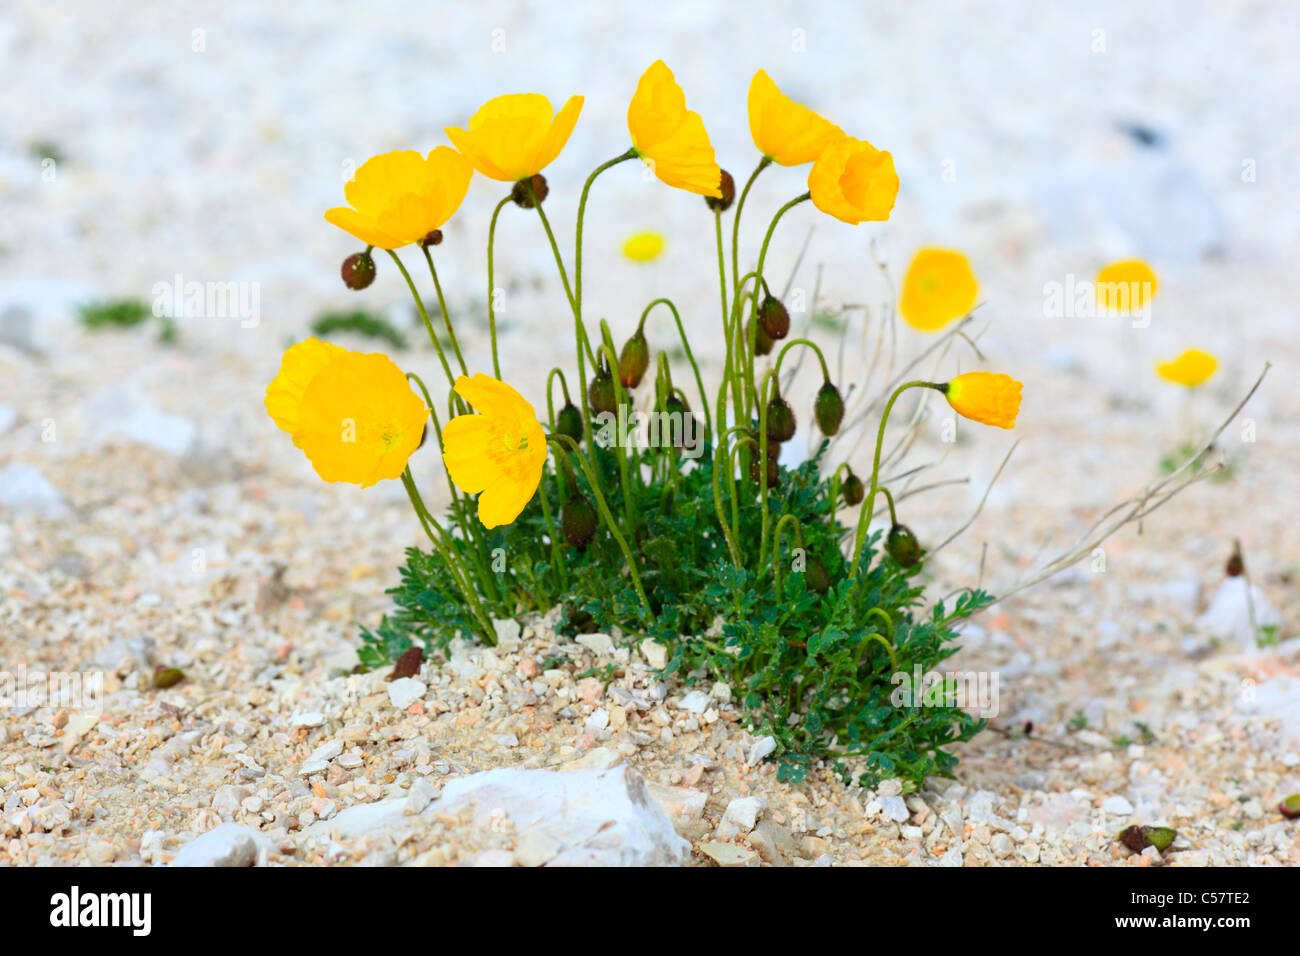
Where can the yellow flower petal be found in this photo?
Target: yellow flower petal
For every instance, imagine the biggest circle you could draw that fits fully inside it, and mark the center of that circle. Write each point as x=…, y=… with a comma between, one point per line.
x=516, y=136
x=784, y=131
x=668, y=137
x=987, y=397
x=301, y=363
x=400, y=197
x=1126, y=287
x=854, y=182
x=643, y=246
x=939, y=287
x=1193, y=368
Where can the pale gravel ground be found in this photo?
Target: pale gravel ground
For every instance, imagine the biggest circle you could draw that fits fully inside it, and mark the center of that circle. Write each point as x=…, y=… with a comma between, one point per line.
x=218, y=165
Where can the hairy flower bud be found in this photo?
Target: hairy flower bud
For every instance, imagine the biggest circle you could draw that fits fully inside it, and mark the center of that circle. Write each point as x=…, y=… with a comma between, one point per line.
x=578, y=519
x=1236, y=565
x=358, y=271
x=601, y=395
x=780, y=420
x=828, y=409
x=815, y=576
x=853, y=490
x=903, y=546
x=569, y=422
x=525, y=197
x=773, y=464
x=432, y=239
x=773, y=318
x=633, y=360
x=762, y=344
x=723, y=203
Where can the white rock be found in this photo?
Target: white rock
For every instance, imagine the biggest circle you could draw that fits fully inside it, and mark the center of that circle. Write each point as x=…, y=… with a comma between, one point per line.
x=1228, y=616
x=310, y=719
x=728, y=854
x=362, y=819
x=231, y=844
x=655, y=654
x=125, y=413
x=598, y=721
x=600, y=758
x=507, y=633
x=761, y=749
x=599, y=644
x=680, y=803
x=537, y=848
x=1117, y=806
x=740, y=817
x=24, y=490
x=405, y=691
x=419, y=796
x=894, y=808
x=599, y=818
x=697, y=702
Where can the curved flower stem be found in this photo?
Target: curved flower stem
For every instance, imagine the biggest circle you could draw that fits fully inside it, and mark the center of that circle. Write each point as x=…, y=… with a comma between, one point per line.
x=561, y=569
x=437, y=426
x=776, y=546
x=874, y=636
x=492, y=311
x=419, y=304
x=735, y=223
x=835, y=490
x=446, y=316
x=582, y=214
x=805, y=342
x=690, y=356
x=762, y=259
x=620, y=394
x=719, y=450
x=864, y=516
x=768, y=377
x=567, y=446
x=893, y=515
x=457, y=572
x=722, y=271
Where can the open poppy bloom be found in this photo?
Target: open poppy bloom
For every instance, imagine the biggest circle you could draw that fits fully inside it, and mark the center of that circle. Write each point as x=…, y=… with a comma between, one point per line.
x=516, y=136
x=1125, y=287
x=785, y=132
x=397, y=198
x=939, y=287
x=497, y=454
x=1192, y=368
x=854, y=182
x=353, y=414
x=990, y=398
x=668, y=137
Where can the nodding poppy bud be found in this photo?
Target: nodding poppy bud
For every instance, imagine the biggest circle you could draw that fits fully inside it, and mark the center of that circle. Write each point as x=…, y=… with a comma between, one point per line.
x=634, y=360
x=728, y=187
x=773, y=465
x=828, y=409
x=600, y=392
x=815, y=576
x=773, y=318
x=432, y=239
x=1138, y=838
x=780, y=419
x=853, y=490
x=569, y=422
x=526, y=198
x=676, y=405
x=578, y=519
x=358, y=271
x=1236, y=566
x=903, y=546
x=762, y=344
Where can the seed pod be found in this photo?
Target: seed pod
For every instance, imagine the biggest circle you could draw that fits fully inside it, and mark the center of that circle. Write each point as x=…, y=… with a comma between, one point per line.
x=600, y=392
x=728, y=188
x=780, y=419
x=853, y=490
x=1236, y=566
x=762, y=344
x=408, y=665
x=432, y=239
x=815, y=576
x=526, y=198
x=633, y=360
x=578, y=519
x=828, y=409
x=358, y=271
x=773, y=318
x=569, y=422
x=164, y=677
x=1138, y=838
x=773, y=464
x=1290, y=807
x=903, y=546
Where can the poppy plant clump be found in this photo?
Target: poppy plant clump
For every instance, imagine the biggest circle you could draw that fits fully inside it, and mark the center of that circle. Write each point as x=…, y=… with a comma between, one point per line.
x=693, y=533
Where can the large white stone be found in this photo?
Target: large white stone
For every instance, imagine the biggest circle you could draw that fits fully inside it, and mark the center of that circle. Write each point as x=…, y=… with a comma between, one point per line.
x=24, y=490
x=1229, y=615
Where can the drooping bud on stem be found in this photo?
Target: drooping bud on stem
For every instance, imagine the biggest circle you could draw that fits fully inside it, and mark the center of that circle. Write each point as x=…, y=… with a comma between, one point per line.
x=853, y=490
x=815, y=576
x=762, y=344
x=773, y=464
x=903, y=546
x=780, y=419
x=432, y=239
x=601, y=395
x=578, y=519
x=828, y=409
x=634, y=360
x=569, y=422
x=358, y=270
x=728, y=187
x=530, y=192
x=773, y=318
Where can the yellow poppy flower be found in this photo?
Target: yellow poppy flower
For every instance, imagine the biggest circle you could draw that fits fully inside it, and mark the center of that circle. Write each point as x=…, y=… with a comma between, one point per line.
x=939, y=287
x=1192, y=368
x=987, y=397
x=643, y=246
x=515, y=136
x=1125, y=287
x=397, y=198
x=353, y=414
x=785, y=132
x=497, y=454
x=854, y=182
x=668, y=137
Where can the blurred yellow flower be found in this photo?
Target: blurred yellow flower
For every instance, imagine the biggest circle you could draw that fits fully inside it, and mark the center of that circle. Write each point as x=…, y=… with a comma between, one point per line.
x=643, y=246
x=987, y=397
x=515, y=136
x=854, y=182
x=1125, y=287
x=785, y=132
x=397, y=198
x=353, y=414
x=939, y=286
x=1192, y=368
x=499, y=452
x=668, y=137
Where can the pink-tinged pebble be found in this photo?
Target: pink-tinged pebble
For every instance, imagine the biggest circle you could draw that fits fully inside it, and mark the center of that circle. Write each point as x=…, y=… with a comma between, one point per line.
x=590, y=690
